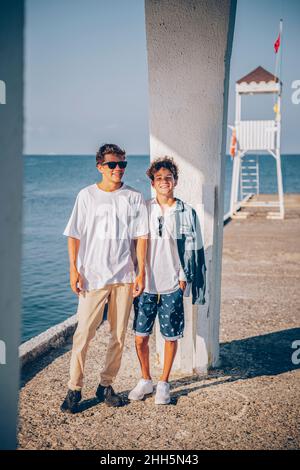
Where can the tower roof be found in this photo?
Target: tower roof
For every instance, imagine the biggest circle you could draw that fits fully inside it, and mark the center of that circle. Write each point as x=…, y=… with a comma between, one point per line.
x=258, y=75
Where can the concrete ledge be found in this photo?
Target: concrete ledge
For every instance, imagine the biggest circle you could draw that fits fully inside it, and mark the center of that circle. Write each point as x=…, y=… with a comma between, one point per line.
x=50, y=339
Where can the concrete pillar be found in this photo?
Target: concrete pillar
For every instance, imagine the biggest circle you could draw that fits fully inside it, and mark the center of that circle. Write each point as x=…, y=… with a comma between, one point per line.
x=189, y=46
x=11, y=136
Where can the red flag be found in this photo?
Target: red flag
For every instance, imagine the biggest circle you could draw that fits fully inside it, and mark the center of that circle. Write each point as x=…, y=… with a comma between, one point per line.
x=233, y=143
x=277, y=44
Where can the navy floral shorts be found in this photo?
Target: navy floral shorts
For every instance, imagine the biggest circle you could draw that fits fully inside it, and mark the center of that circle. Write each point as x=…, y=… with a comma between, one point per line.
x=169, y=308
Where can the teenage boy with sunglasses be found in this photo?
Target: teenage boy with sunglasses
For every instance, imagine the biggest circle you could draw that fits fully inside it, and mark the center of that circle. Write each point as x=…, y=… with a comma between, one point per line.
x=175, y=263
x=106, y=218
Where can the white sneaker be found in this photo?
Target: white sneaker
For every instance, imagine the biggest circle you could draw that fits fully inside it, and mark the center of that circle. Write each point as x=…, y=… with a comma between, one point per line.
x=162, y=396
x=143, y=387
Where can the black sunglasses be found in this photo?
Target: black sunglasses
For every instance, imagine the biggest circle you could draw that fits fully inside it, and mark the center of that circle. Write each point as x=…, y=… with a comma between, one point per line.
x=112, y=165
x=160, y=225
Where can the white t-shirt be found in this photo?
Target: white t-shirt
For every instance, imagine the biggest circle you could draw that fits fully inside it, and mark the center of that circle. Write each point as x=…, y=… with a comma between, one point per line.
x=163, y=267
x=106, y=223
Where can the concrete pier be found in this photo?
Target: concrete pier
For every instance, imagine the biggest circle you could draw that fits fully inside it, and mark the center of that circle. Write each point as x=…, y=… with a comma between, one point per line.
x=250, y=402
x=189, y=48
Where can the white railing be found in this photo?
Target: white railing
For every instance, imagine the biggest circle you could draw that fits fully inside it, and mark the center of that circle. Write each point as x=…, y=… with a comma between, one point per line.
x=256, y=135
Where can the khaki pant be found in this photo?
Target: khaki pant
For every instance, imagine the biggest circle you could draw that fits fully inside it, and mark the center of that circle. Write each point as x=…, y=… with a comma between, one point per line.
x=90, y=314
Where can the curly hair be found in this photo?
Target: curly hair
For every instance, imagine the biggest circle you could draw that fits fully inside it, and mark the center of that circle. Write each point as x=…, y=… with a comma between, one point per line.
x=106, y=149
x=163, y=162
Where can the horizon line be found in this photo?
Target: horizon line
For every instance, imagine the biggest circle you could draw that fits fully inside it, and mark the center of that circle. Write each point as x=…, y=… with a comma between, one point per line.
x=51, y=154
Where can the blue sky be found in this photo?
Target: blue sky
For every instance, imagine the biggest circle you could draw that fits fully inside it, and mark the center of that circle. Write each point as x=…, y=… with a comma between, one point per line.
x=86, y=72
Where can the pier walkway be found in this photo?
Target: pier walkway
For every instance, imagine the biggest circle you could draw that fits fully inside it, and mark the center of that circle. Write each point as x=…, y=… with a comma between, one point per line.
x=250, y=402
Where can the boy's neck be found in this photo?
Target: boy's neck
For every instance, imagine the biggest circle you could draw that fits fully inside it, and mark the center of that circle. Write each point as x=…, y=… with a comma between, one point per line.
x=166, y=201
x=109, y=186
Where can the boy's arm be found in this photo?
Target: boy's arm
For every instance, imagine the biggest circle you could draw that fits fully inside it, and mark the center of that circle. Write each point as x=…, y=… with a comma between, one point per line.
x=182, y=279
x=75, y=278
x=141, y=250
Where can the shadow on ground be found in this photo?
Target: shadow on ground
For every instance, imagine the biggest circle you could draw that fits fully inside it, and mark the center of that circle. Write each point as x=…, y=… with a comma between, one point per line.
x=264, y=355
x=29, y=371
x=269, y=354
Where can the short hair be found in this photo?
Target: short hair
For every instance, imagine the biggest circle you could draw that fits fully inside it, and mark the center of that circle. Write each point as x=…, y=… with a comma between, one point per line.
x=163, y=162
x=105, y=149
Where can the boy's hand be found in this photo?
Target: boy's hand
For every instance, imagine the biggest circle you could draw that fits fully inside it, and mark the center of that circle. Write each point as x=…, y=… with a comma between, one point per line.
x=76, y=281
x=182, y=285
x=139, y=285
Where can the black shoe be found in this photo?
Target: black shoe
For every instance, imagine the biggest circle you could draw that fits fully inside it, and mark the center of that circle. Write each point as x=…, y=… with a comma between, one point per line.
x=70, y=403
x=108, y=395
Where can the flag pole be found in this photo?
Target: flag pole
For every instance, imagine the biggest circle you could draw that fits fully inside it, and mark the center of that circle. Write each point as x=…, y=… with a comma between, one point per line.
x=278, y=53
x=280, y=48
x=278, y=57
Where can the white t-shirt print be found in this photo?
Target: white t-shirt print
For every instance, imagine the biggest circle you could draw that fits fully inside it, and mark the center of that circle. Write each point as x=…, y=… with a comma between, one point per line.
x=163, y=267
x=106, y=223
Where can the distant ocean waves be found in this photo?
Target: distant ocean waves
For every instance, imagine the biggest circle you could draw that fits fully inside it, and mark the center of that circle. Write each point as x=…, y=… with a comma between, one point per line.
x=50, y=187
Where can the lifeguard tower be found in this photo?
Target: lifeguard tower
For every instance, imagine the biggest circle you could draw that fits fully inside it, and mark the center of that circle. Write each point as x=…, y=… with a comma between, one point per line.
x=255, y=137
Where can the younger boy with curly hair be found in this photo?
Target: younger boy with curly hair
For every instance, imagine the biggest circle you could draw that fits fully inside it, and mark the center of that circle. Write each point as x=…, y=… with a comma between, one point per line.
x=175, y=258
